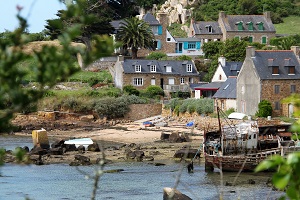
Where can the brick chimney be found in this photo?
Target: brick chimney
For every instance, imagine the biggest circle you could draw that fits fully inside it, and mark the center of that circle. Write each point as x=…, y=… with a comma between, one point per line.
x=250, y=51
x=222, y=14
x=296, y=50
x=163, y=19
x=120, y=58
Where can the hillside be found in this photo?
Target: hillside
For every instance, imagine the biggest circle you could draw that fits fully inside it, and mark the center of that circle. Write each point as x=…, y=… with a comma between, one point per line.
x=290, y=25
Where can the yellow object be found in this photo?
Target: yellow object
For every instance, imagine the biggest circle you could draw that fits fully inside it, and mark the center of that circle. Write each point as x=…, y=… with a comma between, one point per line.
x=40, y=138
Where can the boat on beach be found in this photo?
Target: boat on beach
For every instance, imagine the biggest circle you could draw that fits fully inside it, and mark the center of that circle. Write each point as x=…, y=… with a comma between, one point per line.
x=80, y=141
x=242, y=146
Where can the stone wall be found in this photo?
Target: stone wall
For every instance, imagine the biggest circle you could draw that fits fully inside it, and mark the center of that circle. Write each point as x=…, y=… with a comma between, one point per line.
x=101, y=64
x=141, y=111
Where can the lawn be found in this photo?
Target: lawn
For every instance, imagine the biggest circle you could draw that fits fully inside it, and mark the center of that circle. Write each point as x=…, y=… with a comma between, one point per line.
x=291, y=25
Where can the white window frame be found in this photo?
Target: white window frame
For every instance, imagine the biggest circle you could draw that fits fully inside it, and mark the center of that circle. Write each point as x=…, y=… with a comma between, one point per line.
x=182, y=80
x=138, y=81
x=154, y=30
x=171, y=81
x=189, y=68
x=138, y=68
x=153, y=81
x=169, y=69
x=152, y=68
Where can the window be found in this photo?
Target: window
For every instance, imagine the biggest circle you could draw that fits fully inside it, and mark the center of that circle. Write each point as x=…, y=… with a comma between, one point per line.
x=220, y=77
x=154, y=30
x=240, y=25
x=168, y=39
x=293, y=88
x=152, y=81
x=291, y=70
x=209, y=28
x=192, y=45
x=250, y=26
x=260, y=26
x=250, y=39
x=275, y=70
x=152, y=68
x=181, y=80
x=189, y=68
x=264, y=40
x=169, y=69
x=276, y=89
x=191, y=80
x=277, y=105
x=171, y=81
x=138, y=68
x=137, y=81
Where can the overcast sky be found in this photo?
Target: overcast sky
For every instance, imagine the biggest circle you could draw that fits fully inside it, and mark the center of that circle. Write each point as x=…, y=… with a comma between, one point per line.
x=35, y=11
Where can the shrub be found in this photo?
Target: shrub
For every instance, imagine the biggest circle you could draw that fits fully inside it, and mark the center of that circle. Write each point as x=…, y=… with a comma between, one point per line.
x=264, y=109
x=153, y=91
x=111, y=107
x=157, y=56
x=131, y=90
x=93, y=80
x=173, y=103
x=184, y=57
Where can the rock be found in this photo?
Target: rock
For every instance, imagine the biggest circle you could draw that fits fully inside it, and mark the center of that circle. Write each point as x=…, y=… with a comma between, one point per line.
x=114, y=171
x=87, y=118
x=94, y=147
x=165, y=136
x=139, y=155
x=148, y=158
x=26, y=149
x=82, y=160
x=187, y=153
x=58, y=143
x=70, y=147
x=173, y=194
x=81, y=149
x=57, y=151
x=38, y=151
x=251, y=181
x=178, y=137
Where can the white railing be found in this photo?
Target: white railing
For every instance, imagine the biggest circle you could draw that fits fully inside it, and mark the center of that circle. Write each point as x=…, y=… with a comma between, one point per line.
x=176, y=88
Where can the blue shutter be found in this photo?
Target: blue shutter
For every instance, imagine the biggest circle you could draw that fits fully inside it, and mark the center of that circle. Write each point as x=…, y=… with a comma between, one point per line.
x=198, y=45
x=185, y=45
x=158, y=45
x=159, y=30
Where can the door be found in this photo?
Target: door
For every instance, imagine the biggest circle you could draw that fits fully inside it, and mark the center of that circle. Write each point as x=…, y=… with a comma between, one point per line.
x=180, y=47
x=291, y=110
x=152, y=81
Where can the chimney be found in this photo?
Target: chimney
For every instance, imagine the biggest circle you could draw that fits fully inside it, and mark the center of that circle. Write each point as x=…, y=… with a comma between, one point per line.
x=222, y=61
x=250, y=51
x=163, y=19
x=296, y=50
x=222, y=15
x=120, y=58
x=267, y=15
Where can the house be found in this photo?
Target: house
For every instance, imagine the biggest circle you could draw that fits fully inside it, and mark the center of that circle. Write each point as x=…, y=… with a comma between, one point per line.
x=256, y=28
x=225, y=97
x=171, y=75
x=165, y=42
x=268, y=75
x=226, y=69
x=207, y=90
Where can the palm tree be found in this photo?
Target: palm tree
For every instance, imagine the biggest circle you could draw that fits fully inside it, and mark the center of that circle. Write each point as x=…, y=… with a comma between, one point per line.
x=135, y=34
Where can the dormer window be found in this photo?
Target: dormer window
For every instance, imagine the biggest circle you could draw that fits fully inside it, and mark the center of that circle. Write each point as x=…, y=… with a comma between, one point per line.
x=260, y=26
x=189, y=68
x=152, y=68
x=250, y=26
x=275, y=70
x=168, y=68
x=240, y=25
x=291, y=70
x=209, y=28
x=138, y=68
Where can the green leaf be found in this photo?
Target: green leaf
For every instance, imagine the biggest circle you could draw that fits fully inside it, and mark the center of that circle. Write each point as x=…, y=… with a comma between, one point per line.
x=280, y=181
x=293, y=158
x=269, y=163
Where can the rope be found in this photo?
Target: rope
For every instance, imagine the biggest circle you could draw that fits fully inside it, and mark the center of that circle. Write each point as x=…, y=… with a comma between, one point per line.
x=200, y=147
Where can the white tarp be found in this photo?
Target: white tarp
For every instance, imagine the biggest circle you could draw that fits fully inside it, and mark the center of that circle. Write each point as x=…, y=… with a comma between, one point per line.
x=236, y=115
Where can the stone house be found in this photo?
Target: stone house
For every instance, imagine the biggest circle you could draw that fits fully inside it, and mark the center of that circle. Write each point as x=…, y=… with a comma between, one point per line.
x=256, y=28
x=268, y=75
x=171, y=75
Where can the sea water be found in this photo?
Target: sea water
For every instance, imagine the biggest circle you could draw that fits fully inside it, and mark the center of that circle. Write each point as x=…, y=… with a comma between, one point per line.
x=138, y=181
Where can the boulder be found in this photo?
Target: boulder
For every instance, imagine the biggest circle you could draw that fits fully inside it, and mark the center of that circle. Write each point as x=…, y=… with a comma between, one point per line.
x=173, y=194
x=70, y=147
x=187, y=153
x=81, y=149
x=58, y=143
x=139, y=155
x=82, y=160
x=57, y=151
x=38, y=151
x=94, y=147
x=176, y=137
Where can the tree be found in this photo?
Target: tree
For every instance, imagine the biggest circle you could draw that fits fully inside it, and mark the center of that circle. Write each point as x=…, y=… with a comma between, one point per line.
x=264, y=109
x=157, y=56
x=98, y=16
x=135, y=34
x=54, y=64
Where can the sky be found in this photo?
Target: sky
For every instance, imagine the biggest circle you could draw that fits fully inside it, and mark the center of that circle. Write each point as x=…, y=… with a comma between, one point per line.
x=35, y=11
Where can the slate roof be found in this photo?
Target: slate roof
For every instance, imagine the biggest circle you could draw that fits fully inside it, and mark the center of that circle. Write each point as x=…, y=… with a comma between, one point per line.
x=194, y=85
x=149, y=18
x=230, y=22
x=232, y=68
x=201, y=28
x=264, y=60
x=227, y=89
x=178, y=67
x=212, y=85
x=189, y=39
x=116, y=24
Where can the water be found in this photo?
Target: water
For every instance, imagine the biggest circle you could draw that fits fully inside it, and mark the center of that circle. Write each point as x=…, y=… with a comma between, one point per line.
x=140, y=181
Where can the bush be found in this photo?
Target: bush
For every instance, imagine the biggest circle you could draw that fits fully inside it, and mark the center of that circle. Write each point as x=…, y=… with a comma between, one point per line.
x=153, y=91
x=111, y=107
x=264, y=109
x=157, y=56
x=131, y=90
x=184, y=57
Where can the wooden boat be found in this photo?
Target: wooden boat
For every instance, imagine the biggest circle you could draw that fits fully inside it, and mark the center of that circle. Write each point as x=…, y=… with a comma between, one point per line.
x=241, y=147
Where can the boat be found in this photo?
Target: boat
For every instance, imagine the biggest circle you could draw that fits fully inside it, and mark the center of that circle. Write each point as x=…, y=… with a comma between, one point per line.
x=243, y=145
x=80, y=141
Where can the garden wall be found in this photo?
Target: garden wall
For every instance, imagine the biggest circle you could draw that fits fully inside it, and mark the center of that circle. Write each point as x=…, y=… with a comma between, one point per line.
x=141, y=111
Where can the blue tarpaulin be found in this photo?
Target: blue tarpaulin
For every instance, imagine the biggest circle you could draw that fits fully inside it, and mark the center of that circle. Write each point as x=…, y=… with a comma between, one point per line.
x=190, y=124
x=147, y=122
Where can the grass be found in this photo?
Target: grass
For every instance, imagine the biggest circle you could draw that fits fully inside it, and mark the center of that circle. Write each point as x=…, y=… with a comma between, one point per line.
x=290, y=25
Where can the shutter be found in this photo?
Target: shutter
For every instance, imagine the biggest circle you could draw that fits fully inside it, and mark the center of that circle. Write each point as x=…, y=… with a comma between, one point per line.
x=158, y=45
x=185, y=45
x=198, y=45
x=159, y=30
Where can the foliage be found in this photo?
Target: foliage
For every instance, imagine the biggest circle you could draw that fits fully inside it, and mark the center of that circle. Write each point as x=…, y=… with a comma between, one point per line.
x=229, y=111
x=201, y=65
x=53, y=64
x=174, y=102
x=212, y=48
x=154, y=90
x=157, y=55
x=264, y=109
x=234, y=49
x=97, y=21
x=2, y=154
x=176, y=30
x=201, y=106
x=131, y=90
x=290, y=25
x=135, y=34
x=180, y=94
x=184, y=57
x=285, y=43
x=287, y=175
x=84, y=76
